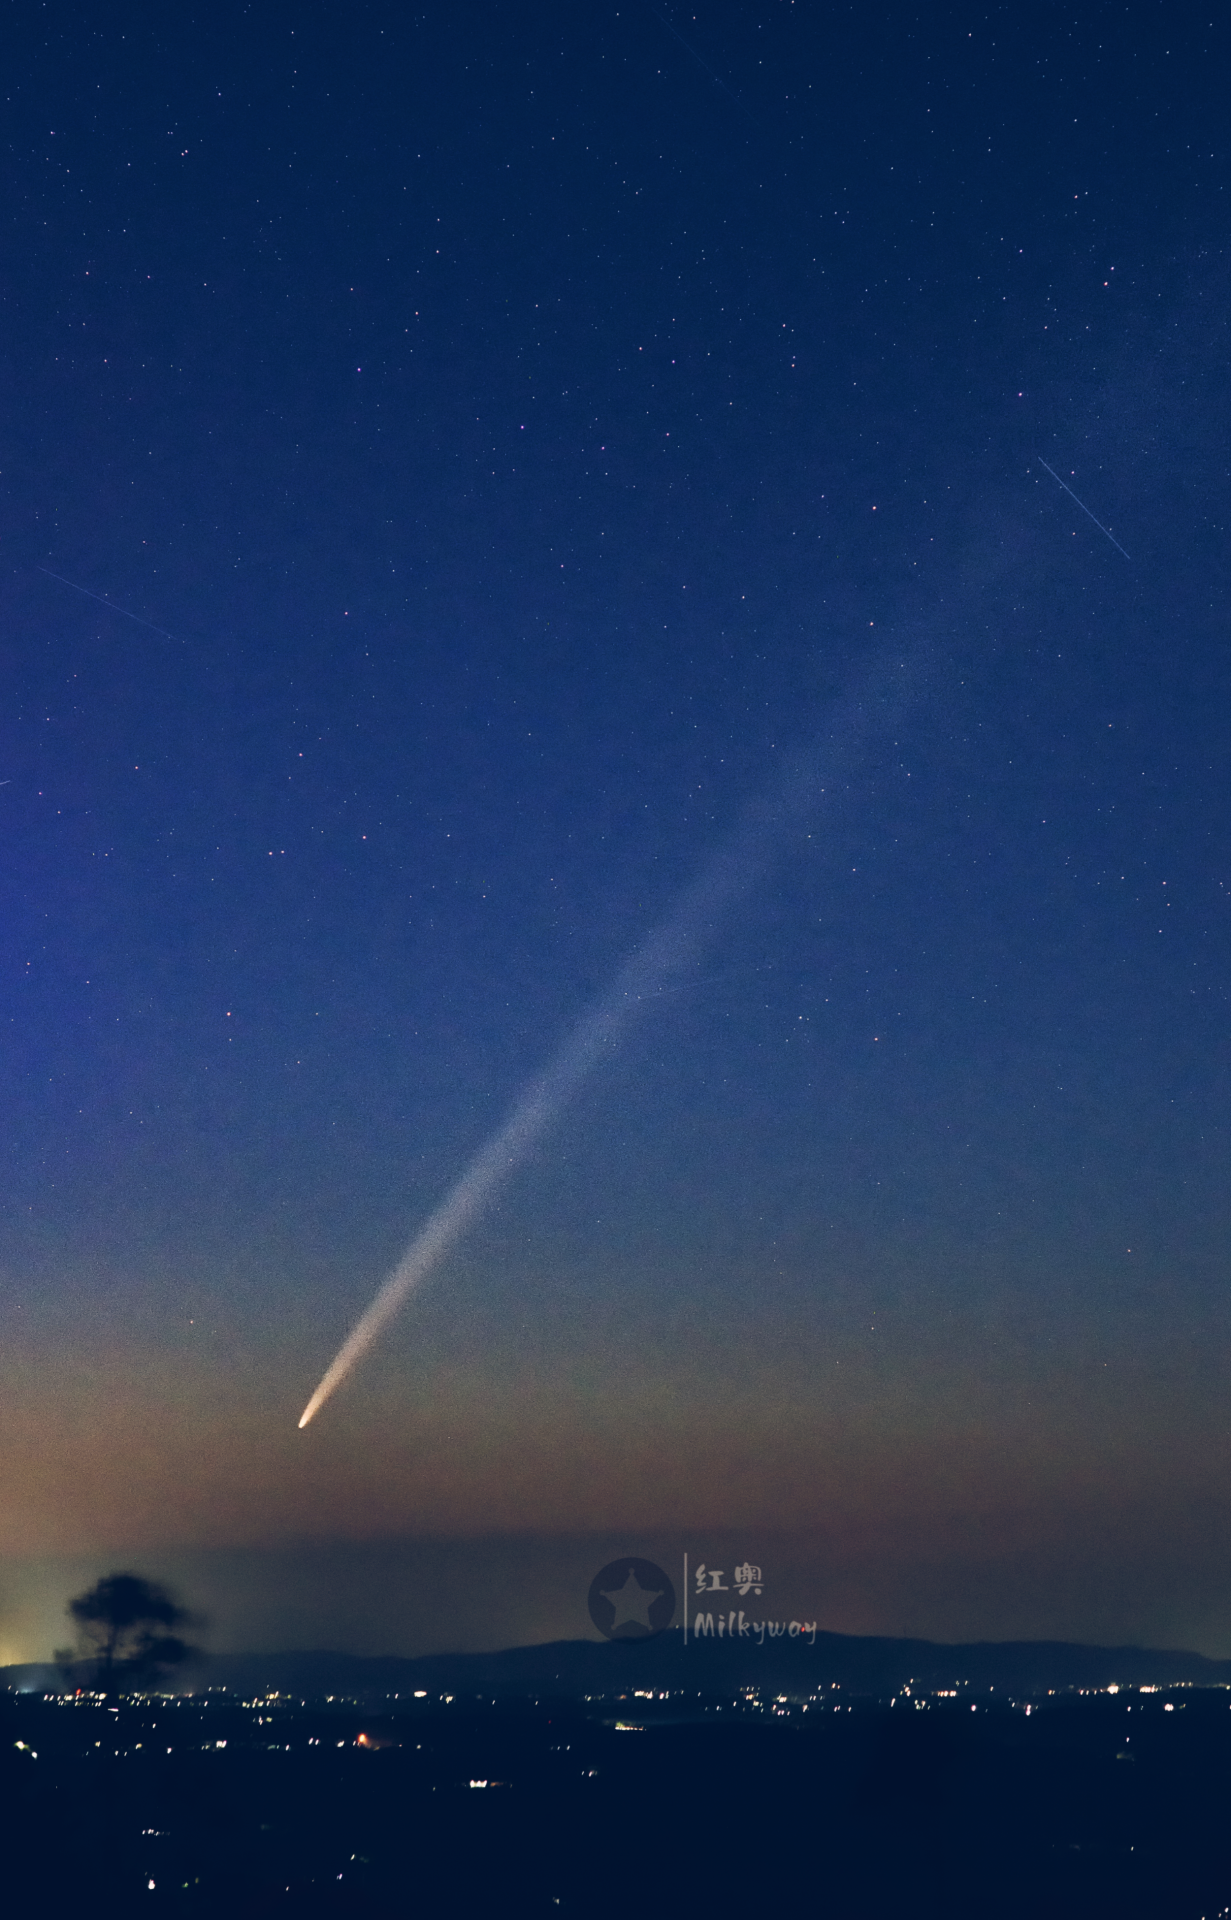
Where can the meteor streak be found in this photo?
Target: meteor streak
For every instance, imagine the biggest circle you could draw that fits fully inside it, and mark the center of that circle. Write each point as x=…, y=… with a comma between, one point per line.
x=657, y=965
x=104, y=602
x=1085, y=509
x=703, y=64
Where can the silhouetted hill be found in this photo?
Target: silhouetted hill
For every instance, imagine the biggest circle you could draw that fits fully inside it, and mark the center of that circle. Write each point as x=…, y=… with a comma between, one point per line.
x=860, y=1665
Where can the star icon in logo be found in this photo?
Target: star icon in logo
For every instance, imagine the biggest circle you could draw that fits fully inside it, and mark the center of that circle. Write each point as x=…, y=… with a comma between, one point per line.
x=631, y=1599
x=632, y=1602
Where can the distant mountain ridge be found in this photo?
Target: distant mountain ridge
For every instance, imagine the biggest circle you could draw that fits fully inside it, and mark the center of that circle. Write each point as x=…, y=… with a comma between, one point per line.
x=858, y=1664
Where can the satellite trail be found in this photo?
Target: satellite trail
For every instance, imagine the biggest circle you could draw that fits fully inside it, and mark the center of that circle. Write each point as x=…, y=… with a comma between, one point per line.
x=1081, y=503
x=104, y=602
x=658, y=965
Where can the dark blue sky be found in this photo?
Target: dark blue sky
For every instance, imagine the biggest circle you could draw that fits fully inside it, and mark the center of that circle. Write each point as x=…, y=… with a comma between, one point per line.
x=520, y=443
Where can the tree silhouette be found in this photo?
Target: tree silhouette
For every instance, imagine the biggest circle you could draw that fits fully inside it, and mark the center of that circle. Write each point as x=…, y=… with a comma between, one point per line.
x=126, y=1625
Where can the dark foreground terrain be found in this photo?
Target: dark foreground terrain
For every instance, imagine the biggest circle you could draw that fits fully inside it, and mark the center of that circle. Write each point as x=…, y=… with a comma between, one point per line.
x=739, y=1809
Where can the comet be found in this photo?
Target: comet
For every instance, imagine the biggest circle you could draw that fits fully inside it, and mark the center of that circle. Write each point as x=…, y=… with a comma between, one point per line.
x=661, y=963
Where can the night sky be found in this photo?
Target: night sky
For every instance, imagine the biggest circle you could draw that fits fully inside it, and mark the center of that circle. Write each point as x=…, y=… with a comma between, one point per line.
x=509, y=449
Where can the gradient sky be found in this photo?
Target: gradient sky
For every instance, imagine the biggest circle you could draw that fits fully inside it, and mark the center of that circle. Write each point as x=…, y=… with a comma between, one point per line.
x=515, y=434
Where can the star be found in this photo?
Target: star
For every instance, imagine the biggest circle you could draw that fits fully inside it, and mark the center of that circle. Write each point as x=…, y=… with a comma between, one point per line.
x=632, y=1602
